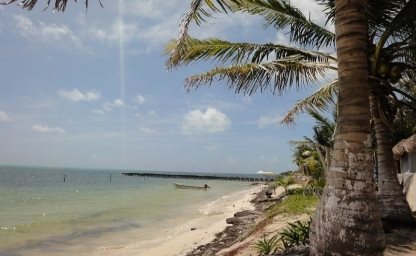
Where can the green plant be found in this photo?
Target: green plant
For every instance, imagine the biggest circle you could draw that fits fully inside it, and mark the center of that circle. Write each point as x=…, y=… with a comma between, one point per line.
x=296, y=234
x=266, y=246
x=284, y=181
x=314, y=190
x=293, y=205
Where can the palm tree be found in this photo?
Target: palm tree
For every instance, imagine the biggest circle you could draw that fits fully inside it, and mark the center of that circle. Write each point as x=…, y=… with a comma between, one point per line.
x=347, y=216
x=317, y=161
x=323, y=132
x=349, y=197
x=394, y=207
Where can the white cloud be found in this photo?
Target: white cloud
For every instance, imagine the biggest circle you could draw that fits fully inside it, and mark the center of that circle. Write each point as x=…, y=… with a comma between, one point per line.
x=109, y=106
x=46, y=129
x=98, y=111
x=77, y=95
x=111, y=33
x=140, y=100
x=212, y=147
x=312, y=9
x=4, y=117
x=264, y=121
x=153, y=9
x=147, y=130
x=247, y=99
x=50, y=33
x=210, y=121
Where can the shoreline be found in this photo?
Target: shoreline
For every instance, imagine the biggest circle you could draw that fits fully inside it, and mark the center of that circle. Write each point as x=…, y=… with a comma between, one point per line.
x=194, y=233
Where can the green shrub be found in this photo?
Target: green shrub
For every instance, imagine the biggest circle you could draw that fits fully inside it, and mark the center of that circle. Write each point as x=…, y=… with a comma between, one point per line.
x=284, y=181
x=266, y=246
x=296, y=234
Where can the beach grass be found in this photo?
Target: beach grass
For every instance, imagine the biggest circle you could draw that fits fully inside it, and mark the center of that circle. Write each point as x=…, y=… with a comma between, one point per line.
x=294, y=205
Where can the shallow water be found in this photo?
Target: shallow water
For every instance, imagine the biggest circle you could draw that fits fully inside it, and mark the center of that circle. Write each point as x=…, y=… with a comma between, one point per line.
x=43, y=215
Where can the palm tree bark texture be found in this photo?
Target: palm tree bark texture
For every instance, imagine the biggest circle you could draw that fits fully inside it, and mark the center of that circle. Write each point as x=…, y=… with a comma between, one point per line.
x=347, y=220
x=393, y=204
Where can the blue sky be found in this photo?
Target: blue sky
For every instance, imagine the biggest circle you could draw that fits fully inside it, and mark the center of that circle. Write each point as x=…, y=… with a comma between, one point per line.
x=90, y=89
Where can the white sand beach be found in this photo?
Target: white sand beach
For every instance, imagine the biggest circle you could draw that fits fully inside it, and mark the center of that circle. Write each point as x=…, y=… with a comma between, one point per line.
x=184, y=237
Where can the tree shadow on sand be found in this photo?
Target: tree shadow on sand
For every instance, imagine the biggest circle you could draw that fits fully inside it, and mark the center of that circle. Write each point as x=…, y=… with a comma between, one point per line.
x=400, y=241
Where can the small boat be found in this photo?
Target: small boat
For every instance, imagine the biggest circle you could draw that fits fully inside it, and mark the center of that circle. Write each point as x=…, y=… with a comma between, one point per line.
x=205, y=186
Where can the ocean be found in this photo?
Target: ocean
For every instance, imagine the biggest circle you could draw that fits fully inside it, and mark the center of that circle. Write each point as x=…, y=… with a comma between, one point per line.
x=61, y=211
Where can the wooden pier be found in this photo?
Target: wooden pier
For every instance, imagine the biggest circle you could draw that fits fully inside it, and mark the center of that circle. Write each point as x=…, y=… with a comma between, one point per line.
x=200, y=177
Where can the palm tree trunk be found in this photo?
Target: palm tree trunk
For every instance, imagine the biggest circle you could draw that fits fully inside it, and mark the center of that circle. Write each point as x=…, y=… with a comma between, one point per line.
x=328, y=158
x=347, y=220
x=393, y=205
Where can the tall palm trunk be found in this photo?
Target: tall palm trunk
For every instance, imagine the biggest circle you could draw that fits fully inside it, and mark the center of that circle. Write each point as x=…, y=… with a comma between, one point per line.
x=393, y=204
x=347, y=221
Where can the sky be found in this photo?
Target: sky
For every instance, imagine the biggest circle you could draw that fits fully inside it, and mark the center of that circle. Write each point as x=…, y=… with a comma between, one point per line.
x=90, y=89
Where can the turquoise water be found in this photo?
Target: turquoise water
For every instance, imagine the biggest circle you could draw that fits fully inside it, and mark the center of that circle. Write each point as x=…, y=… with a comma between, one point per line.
x=40, y=214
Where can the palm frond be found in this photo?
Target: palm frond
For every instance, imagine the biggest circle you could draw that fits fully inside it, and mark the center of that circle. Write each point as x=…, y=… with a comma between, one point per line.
x=60, y=5
x=203, y=12
x=180, y=46
x=380, y=12
x=403, y=25
x=276, y=76
x=277, y=13
x=281, y=14
x=197, y=12
x=322, y=99
x=224, y=51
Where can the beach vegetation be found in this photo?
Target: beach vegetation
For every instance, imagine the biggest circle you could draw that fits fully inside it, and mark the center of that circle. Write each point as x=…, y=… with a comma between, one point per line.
x=284, y=181
x=295, y=204
x=266, y=246
x=311, y=189
x=297, y=233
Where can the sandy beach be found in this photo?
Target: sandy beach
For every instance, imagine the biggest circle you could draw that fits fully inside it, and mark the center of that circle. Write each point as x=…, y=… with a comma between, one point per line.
x=210, y=234
x=183, y=238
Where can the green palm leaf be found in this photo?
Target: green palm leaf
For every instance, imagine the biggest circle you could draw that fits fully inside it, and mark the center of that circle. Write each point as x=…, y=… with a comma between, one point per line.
x=275, y=76
x=323, y=99
x=277, y=13
x=281, y=14
x=224, y=51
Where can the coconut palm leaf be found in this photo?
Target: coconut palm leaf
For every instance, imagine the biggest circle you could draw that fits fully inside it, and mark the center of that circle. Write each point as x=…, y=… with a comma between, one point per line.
x=276, y=76
x=60, y=5
x=224, y=51
x=323, y=99
x=380, y=12
x=277, y=13
x=281, y=14
x=403, y=25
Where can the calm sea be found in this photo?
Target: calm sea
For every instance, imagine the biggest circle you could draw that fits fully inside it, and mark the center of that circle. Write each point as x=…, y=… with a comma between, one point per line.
x=40, y=214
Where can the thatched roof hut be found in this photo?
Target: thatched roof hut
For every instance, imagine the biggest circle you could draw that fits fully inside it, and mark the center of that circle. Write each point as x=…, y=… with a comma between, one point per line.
x=405, y=153
x=405, y=146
